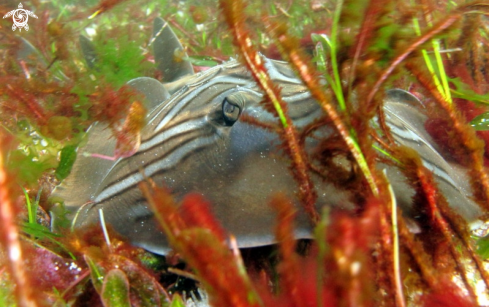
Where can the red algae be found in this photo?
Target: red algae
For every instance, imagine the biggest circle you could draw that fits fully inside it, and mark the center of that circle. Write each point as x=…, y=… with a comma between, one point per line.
x=446, y=296
x=226, y=282
x=274, y=104
x=10, y=238
x=196, y=212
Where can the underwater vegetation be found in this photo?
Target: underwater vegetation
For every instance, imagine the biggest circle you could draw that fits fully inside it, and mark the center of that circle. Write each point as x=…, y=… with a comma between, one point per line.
x=348, y=54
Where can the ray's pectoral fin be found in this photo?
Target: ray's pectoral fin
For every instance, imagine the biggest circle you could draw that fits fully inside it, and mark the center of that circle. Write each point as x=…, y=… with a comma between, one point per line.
x=87, y=172
x=398, y=95
x=406, y=123
x=28, y=51
x=88, y=51
x=170, y=56
x=154, y=92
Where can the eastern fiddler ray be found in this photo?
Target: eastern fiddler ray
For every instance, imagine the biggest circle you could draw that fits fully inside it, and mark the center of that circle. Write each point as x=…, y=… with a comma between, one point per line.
x=194, y=141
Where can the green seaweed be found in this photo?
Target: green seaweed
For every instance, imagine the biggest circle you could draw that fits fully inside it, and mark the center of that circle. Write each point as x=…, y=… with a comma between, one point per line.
x=115, y=291
x=480, y=122
x=66, y=161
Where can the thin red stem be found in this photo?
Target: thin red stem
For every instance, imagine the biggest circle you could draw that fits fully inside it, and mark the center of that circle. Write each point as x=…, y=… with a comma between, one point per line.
x=11, y=238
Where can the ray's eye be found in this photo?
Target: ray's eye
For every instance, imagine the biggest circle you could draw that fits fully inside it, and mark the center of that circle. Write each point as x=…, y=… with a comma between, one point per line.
x=230, y=112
